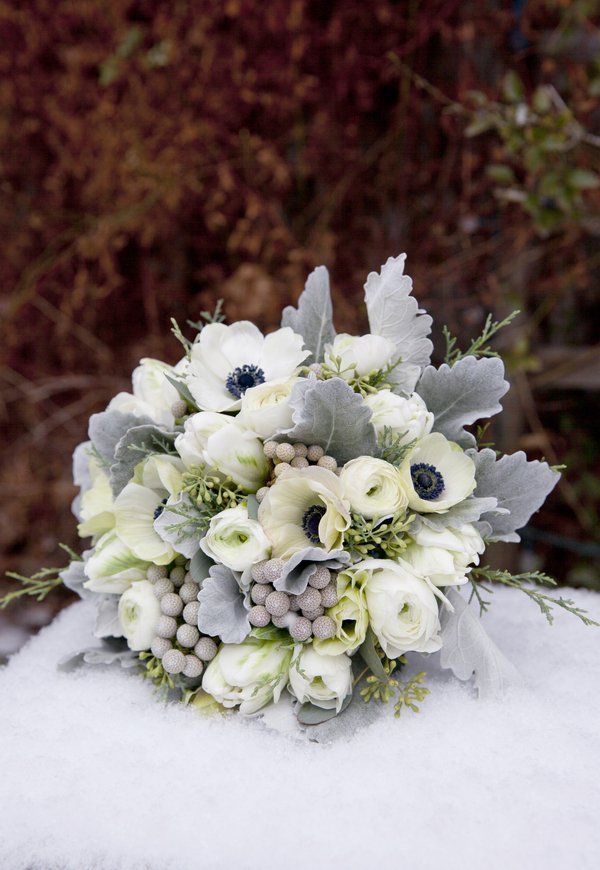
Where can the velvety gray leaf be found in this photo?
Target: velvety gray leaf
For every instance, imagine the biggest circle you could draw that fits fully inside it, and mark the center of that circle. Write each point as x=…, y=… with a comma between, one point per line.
x=309, y=714
x=467, y=511
x=101, y=655
x=458, y=395
x=395, y=314
x=81, y=461
x=368, y=653
x=467, y=650
x=223, y=609
x=181, y=524
x=330, y=414
x=313, y=317
x=200, y=566
x=73, y=576
x=106, y=430
x=300, y=567
x=107, y=617
x=520, y=486
x=252, y=507
x=132, y=448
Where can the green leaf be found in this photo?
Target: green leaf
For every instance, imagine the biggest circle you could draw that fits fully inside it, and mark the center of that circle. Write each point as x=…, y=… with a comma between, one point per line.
x=184, y=392
x=368, y=653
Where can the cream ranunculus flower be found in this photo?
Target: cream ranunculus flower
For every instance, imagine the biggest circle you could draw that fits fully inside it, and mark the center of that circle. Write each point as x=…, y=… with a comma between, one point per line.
x=266, y=407
x=403, y=610
x=350, y=614
x=139, y=612
x=305, y=507
x=112, y=567
x=248, y=675
x=401, y=415
x=152, y=394
x=96, y=504
x=444, y=555
x=437, y=474
x=320, y=679
x=373, y=487
x=142, y=501
x=359, y=355
x=228, y=360
x=218, y=441
x=235, y=540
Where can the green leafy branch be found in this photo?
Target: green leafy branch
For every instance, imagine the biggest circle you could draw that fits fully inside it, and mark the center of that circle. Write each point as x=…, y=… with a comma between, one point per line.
x=479, y=347
x=479, y=576
x=392, y=447
x=409, y=694
x=40, y=584
x=368, y=535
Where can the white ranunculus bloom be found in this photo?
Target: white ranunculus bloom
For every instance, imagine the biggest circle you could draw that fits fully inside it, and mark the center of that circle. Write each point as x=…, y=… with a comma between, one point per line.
x=401, y=415
x=141, y=502
x=266, y=407
x=350, y=614
x=352, y=355
x=444, y=555
x=152, y=394
x=235, y=540
x=248, y=675
x=139, y=612
x=373, y=487
x=96, y=504
x=218, y=441
x=112, y=567
x=228, y=360
x=305, y=507
x=403, y=610
x=437, y=474
x=320, y=679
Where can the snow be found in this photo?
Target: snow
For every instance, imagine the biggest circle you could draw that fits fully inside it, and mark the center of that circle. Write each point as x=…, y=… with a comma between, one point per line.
x=95, y=774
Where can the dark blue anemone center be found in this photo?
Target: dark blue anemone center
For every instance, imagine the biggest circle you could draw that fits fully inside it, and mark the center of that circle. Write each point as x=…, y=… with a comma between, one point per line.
x=427, y=481
x=242, y=378
x=310, y=522
x=159, y=508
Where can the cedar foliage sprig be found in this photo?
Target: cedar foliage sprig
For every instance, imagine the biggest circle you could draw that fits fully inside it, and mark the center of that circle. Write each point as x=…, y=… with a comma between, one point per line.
x=40, y=584
x=479, y=347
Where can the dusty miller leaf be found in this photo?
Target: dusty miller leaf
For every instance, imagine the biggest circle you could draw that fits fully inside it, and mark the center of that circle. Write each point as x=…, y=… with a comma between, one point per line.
x=181, y=524
x=310, y=714
x=330, y=414
x=132, y=448
x=467, y=511
x=467, y=650
x=368, y=653
x=300, y=567
x=106, y=430
x=520, y=486
x=107, y=617
x=200, y=567
x=74, y=576
x=459, y=395
x=313, y=317
x=110, y=653
x=395, y=314
x=223, y=609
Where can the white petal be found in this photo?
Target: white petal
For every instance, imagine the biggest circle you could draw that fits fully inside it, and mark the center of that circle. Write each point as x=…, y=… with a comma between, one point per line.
x=282, y=353
x=134, y=522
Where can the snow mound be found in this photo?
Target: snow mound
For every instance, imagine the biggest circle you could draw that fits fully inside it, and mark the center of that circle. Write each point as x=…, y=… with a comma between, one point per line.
x=96, y=775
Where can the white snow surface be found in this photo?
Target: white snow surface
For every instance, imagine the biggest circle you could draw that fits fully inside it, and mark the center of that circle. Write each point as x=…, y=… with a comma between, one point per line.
x=95, y=774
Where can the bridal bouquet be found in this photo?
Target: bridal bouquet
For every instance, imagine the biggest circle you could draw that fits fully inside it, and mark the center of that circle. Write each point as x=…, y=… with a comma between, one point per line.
x=288, y=515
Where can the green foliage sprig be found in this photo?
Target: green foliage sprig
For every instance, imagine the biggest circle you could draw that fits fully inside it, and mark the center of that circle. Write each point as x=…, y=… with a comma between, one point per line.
x=392, y=447
x=479, y=347
x=211, y=492
x=154, y=671
x=366, y=536
x=40, y=584
x=366, y=385
x=408, y=694
x=206, y=317
x=479, y=576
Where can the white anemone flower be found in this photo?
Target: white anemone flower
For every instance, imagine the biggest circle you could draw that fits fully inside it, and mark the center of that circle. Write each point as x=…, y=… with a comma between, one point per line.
x=228, y=360
x=305, y=507
x=96, y=504
x=153, y=395
x=141, y=502
x=437, y=474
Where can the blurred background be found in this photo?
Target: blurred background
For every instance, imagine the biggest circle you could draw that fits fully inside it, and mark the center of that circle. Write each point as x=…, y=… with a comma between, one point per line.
x=157, y=156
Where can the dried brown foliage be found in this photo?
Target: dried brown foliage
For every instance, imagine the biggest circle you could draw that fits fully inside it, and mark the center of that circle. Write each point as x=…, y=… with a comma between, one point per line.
x=155, y=157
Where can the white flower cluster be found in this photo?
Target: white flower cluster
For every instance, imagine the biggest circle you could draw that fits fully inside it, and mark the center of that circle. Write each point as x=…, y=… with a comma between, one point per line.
x=307, y=495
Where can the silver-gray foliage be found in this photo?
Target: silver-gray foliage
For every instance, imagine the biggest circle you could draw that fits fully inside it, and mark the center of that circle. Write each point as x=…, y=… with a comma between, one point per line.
x=467, y=511
x=133, y=446
x=200, y=566
x=313, y=319
x=181, y=524
x=330, y=414
x=395, y=315
x=107, y=617
x=109, y=653
x=461, y=394
x=106, y=430
x=300, y=567
x=520, y=486
x=73, y=576
x=468, y=651
x=223, y=606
